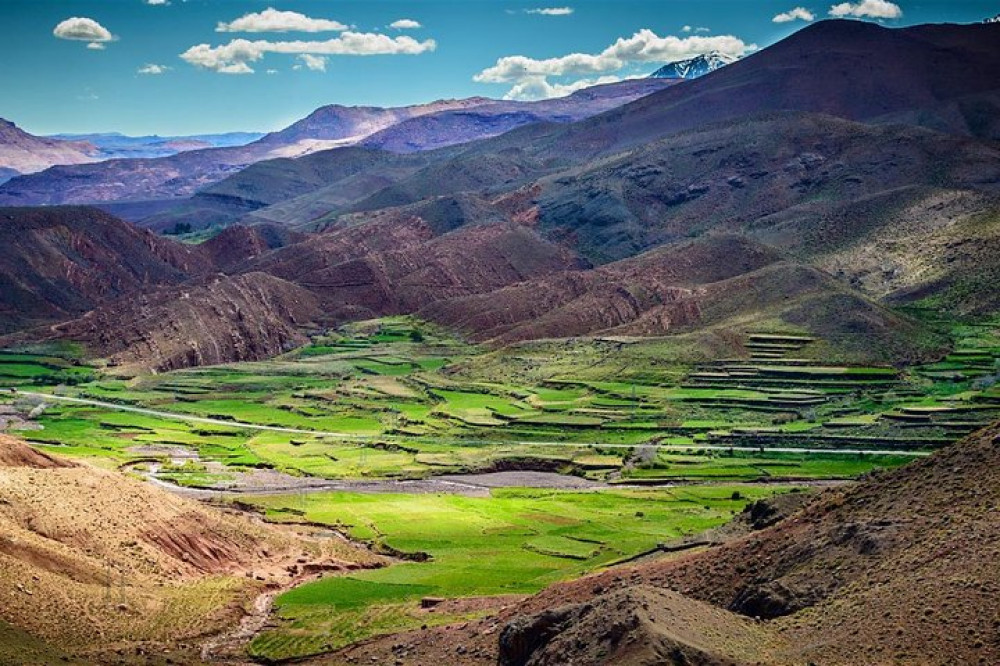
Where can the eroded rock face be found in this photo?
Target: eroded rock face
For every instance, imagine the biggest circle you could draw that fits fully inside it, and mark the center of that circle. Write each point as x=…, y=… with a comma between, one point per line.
x=243, y=318
x=60, y=262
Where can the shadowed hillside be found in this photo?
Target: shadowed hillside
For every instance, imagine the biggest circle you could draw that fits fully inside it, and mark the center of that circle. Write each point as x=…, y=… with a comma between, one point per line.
x=60, y=262
x=249, y=317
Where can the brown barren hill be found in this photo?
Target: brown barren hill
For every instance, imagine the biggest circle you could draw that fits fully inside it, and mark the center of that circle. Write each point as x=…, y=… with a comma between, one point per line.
x=398, y=265
x=712, y=282
x=100, y=564
x=15, y=453
x=243, y=318
x=60, y=262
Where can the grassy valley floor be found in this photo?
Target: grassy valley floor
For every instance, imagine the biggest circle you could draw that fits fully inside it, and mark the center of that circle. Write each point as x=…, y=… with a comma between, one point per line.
x=664, y=441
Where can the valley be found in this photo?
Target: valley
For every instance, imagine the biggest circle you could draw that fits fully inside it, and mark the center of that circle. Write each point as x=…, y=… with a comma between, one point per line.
x=401, y=436
x=685, y=351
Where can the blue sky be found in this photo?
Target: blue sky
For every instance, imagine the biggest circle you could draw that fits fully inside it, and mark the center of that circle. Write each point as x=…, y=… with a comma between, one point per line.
x=122, y=68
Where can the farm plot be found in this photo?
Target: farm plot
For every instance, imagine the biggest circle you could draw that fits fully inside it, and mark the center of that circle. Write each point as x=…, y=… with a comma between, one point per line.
x=514, y=542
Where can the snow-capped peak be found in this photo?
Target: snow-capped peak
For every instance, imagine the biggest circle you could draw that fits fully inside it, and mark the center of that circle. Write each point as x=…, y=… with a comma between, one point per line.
x=692, y=68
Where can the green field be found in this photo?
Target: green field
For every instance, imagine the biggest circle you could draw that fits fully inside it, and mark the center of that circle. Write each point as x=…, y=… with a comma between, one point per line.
x=515, y=542
x=396, y=398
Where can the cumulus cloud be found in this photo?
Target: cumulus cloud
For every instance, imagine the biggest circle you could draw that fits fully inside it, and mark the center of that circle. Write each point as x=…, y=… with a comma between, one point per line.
x=152, y=68
x=530, y=76
x=272, y=20
x=538, y=87
x=81, y=29
x=877, y=9
x=158, y=3
x=550, y=11
x=405, y=24
x=797, y=14
x=237, y=56
x=313, y=62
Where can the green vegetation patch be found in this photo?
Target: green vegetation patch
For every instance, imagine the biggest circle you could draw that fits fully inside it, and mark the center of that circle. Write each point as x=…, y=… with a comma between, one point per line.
x=515, y=542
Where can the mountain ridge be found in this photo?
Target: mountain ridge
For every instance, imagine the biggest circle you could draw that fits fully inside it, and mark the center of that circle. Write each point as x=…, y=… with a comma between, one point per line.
x=330, y=126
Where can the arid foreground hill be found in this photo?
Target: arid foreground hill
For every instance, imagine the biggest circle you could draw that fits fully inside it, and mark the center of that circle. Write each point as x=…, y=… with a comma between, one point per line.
x=902, y=568
x=96, y=567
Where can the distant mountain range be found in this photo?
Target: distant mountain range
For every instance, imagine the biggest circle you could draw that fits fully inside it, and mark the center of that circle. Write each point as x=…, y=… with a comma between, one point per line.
x=802, y=186
x=113, y=145
x=21, y=152
x=403, y=129
x=694, y=67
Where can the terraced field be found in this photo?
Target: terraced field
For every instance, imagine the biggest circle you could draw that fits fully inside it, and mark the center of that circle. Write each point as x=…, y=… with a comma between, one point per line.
x=398, y=399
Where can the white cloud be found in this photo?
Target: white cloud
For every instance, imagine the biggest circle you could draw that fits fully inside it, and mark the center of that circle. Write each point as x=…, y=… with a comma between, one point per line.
x=690, y=29
x=152, y=68
x=530, y=77
x=157, y=3
x=797, y=14
x=550, y=11
x=405, y=24
x=538, y=87
x=643, y=46
x=83, y=29
x=313, y=62
x=877, y=9
x=272, y=20
x=237, y=56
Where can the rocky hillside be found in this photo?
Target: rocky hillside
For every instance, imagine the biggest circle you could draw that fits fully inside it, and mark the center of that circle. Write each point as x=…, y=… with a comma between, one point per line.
x=105, y=567
x=719, y=281
x=249, y=317
x=790, y=179
x=373, y=270
x=60, y=262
